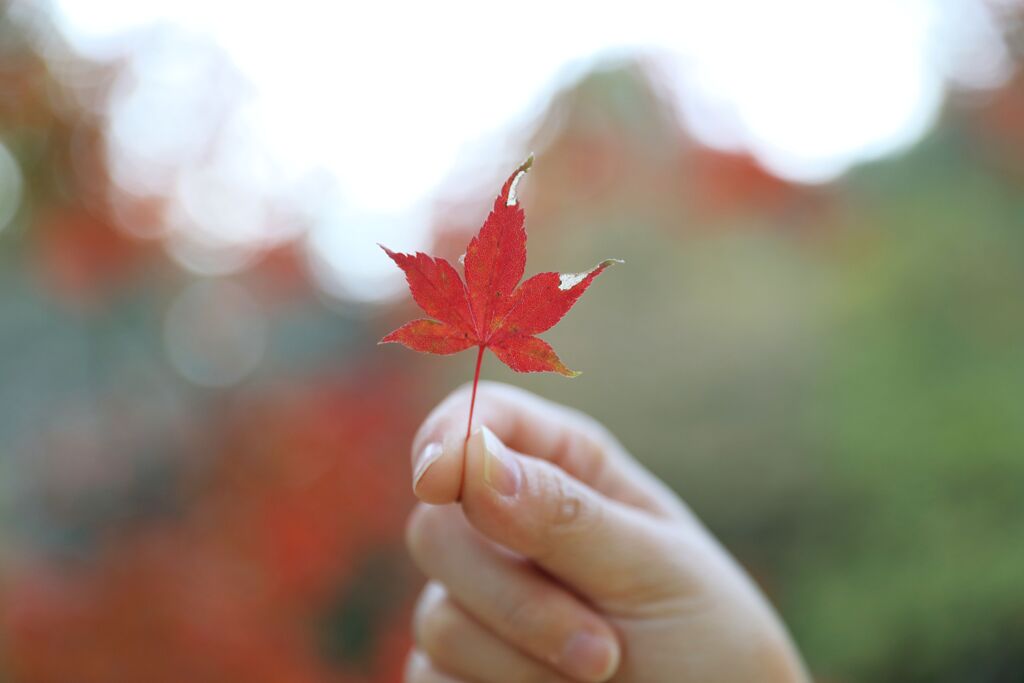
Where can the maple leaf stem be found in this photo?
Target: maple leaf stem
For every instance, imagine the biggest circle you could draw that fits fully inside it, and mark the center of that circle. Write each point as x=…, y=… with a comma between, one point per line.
x=476, y=381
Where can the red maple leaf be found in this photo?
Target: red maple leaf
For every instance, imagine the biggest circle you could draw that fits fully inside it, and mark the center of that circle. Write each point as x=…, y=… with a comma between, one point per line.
x=488, y=310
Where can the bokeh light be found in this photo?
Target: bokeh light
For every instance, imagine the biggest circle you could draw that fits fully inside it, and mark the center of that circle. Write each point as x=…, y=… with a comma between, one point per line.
x=215, y=333
x=788, y=82
x=10, y=187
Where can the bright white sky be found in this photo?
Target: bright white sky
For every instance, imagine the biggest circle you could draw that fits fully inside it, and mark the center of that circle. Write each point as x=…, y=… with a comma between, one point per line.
x=391, y=100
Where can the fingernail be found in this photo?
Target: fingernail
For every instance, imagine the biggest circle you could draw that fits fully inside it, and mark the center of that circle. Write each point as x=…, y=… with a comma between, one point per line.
x=590, y=656
x=428, y=456
x=501, y=471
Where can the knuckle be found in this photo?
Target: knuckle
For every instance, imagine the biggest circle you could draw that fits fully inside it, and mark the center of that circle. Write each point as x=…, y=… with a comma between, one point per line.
x=584, y=446
x=582, y=454
x=567, y=510
x=565, y=506
x=594, y=435
x=524, y=616
x=535, y=621
x=593, y=428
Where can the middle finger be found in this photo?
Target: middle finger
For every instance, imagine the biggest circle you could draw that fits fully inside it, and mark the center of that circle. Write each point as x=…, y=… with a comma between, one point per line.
x=510, y=596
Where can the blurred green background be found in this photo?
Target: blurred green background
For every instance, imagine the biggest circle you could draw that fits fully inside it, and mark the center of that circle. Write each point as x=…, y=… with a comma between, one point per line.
x=203, y=472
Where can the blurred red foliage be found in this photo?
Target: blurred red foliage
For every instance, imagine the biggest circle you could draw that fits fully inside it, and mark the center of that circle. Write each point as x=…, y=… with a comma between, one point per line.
x=279, y=558
x=999, y=126
x=612, y=144
x=23, y=97
x=722, y=184
x=283, y=566
x=83, y=257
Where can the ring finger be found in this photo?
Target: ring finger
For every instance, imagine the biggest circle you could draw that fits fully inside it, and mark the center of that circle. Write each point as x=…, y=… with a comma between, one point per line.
x=459, y=646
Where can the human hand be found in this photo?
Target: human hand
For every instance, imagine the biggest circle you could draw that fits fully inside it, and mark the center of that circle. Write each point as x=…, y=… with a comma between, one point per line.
x=554, y=556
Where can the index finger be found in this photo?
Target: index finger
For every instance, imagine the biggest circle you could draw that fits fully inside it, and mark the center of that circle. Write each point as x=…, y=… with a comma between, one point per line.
x=537, y=427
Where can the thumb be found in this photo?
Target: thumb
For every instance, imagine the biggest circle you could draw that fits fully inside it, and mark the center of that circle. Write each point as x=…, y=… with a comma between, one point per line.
x=609, y=552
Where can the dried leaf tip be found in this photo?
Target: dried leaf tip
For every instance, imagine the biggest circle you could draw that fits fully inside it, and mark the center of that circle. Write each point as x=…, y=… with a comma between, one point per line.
x=567, y=281
x=513, y=198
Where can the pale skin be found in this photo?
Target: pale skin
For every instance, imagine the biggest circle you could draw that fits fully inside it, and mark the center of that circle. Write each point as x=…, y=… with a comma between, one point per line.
x=552, y=555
